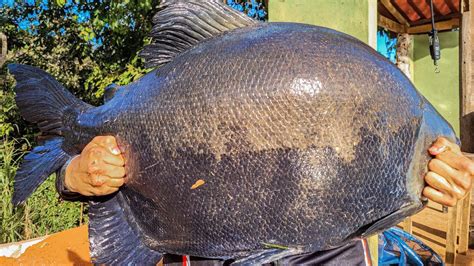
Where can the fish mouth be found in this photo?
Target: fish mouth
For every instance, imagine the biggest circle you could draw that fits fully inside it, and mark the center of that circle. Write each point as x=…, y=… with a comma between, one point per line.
x=389, y=220
x=432, y=126
x=418, y=168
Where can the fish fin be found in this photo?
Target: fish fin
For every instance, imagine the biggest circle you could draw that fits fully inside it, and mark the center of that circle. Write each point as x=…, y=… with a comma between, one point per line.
x=41, y=100
x=390, y=220
x=113, y=241
x=267, y=256
x=36, y=167
x=109, y=91
x=181, y=24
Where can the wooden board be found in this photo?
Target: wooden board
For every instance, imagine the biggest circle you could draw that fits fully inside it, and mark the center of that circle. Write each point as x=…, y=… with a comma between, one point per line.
x=390, y=25
x=441, y=230
x=388, y=5
x=432, y=233
x=440, y=26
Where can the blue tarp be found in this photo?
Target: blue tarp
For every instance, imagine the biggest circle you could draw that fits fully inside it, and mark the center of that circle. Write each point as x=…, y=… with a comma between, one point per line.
x=397, y=247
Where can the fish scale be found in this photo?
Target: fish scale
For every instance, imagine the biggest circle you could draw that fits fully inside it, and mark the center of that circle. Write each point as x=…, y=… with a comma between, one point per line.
x=301, y=139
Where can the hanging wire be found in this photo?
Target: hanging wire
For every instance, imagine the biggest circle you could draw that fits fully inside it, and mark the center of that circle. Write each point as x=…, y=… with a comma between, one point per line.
x=432, y=15
x=435, y=49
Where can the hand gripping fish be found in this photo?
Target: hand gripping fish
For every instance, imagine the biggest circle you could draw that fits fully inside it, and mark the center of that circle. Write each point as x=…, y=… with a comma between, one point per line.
x=249, y=141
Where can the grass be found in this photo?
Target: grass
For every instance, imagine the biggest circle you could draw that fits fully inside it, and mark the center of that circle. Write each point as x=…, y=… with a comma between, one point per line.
x=42, y=214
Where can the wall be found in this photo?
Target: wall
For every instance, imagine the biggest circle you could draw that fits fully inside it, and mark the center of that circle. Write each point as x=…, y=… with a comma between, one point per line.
x=349, y=16
x=441, y=89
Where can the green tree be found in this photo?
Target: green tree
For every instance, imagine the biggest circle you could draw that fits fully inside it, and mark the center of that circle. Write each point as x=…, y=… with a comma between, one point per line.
x=86, y=45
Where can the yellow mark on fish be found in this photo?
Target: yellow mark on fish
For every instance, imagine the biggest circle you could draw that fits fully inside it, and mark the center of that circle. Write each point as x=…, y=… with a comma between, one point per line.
x=198, y=183
x=270, y=245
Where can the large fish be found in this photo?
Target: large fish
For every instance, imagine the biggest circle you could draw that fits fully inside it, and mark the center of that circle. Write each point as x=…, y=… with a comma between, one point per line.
x=252, y=141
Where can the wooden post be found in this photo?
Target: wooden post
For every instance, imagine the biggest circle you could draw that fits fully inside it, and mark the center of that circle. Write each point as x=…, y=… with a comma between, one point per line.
x=467, y=111
x=465, y=215
x=388, y=5
x=372, y=24
x=3, y=55
x=405, y=54
x=467, y=88
x=451, y=236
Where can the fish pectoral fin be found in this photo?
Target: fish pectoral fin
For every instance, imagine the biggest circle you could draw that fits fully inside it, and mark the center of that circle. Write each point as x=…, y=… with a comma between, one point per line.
x=113, y=240
x=267, y=256
x=109, y=92
x=180, y=25
x=390, y=220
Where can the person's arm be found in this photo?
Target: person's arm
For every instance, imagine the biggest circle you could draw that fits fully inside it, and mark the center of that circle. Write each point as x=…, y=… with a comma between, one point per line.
x=450, y=173
x=97, y=171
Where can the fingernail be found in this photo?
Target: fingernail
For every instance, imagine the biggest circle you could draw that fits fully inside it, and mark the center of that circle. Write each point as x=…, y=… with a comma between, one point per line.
x=116, y=151
x=435, y=150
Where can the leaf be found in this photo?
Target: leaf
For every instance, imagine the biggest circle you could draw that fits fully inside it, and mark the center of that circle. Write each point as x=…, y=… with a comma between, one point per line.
x=60, y=2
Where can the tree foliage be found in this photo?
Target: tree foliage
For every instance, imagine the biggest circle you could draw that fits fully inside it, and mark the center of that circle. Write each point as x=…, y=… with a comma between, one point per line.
x=86, y=45
x=253, y=8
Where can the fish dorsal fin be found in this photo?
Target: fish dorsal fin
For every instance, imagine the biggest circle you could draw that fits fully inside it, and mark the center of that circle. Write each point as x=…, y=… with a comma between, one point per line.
x=181, y=24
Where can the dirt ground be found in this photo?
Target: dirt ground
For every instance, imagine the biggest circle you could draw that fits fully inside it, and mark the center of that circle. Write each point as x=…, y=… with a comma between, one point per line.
x=70, y=247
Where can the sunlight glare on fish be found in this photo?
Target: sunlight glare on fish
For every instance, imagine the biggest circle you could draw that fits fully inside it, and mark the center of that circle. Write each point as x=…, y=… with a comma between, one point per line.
x=303, y=86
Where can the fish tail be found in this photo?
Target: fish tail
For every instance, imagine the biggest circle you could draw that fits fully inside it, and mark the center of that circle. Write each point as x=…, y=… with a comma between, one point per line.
x=43, y=101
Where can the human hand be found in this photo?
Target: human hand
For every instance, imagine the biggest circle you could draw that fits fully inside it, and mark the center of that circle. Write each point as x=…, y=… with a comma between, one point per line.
x=98, y=171
x=450, y=173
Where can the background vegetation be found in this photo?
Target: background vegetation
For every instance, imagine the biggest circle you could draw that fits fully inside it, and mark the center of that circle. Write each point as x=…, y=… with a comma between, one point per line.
x=86, y=45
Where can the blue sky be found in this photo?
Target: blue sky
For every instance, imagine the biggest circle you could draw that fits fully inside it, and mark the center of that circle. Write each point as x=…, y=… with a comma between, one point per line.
x=26, y=24
x=31, y=21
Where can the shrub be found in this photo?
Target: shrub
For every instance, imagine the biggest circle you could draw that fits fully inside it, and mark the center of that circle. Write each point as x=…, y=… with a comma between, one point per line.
x=42, y=213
